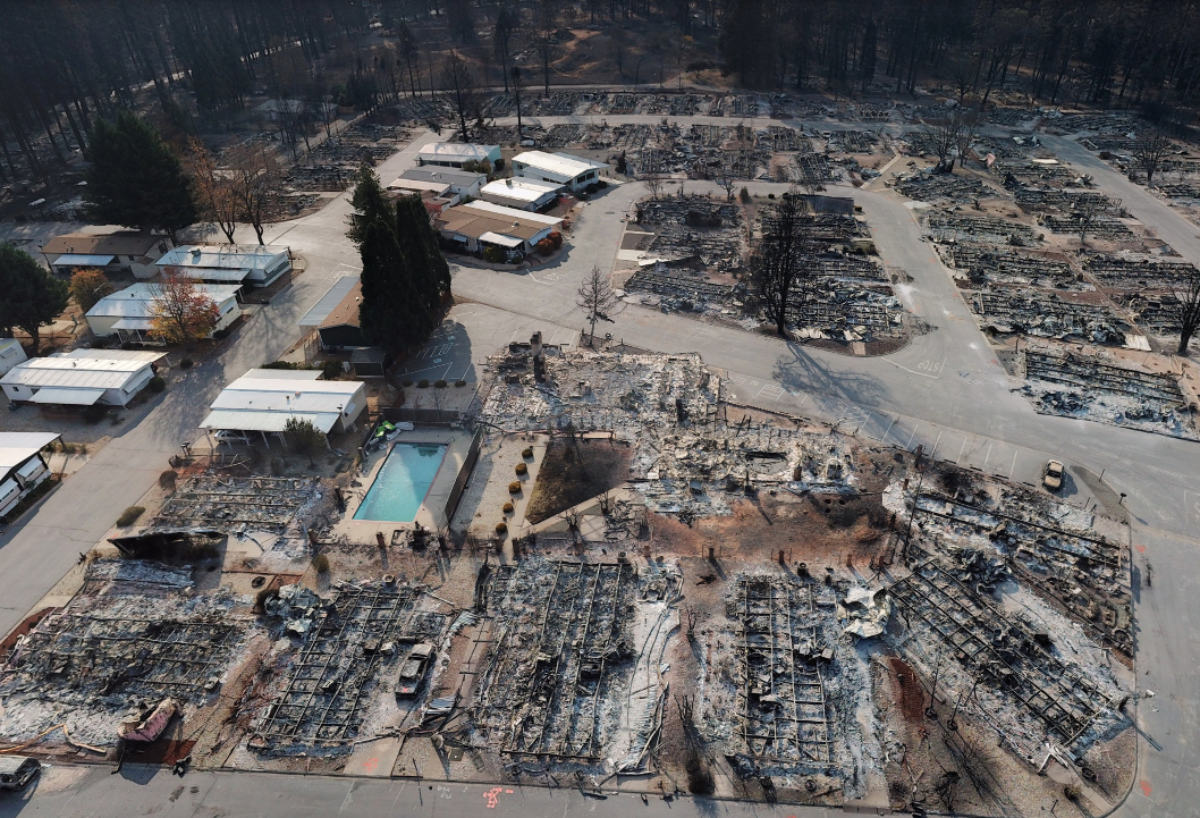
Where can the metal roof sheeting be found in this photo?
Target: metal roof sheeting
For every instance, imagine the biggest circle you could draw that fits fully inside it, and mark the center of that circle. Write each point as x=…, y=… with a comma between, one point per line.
x=17, y=447
x=557, y=164
x=67, y=397
x=503, y=241
x=224, y=256
x=214, y=274
x=235, y=420
x=93, y=369
x=316, y=316
x=135, y=301
x=81, y=260
x=456, y=152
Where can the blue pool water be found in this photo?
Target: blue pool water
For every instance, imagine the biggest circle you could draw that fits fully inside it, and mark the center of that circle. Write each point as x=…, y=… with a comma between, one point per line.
x=402, y=483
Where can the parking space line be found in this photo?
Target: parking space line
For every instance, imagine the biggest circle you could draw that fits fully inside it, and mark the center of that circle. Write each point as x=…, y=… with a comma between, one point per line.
x=936, y=443
x=910, y=437
x=1014, y=466
x=958, y=462
x=987, y=457
x=888, y=431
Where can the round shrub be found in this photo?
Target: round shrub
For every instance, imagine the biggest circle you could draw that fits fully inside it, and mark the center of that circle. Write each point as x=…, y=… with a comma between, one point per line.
x=522, y=468
x=501, y=528
x=460, y=382
x=186, y=363
x=407, y=383
x=508, y=508
x=423, y=384
x=514, y=487
x=440, y=384
x=527, y=453
x=157, y=384
x=321, y=563
x=129, y=516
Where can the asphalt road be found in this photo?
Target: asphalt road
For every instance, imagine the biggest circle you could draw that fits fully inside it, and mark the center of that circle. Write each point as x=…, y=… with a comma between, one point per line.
x=944, y=391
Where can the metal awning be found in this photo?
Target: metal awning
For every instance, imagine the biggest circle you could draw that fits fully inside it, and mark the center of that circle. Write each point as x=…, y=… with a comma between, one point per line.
x=141, y=324
x=82, y=260
x=500, y=239
x=67, y=397
x=213, y=273
x=329, y=302
x=255, y=421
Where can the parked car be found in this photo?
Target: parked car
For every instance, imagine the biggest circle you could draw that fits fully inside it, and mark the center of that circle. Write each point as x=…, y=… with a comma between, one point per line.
x=17, y=771
x=412, y=672
x=1052, y=475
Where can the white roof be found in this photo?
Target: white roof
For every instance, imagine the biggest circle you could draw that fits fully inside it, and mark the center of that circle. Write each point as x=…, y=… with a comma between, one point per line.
x=316, y=316
x=455, y=152
x=258, y=402
x=558, y=164
x=82, y=260
x=81, y=369
x=134, y=323
x=512, y=213
x=416, y=184
x=17, y=447
x=224, y=256
x=68, y=397
x=135, y=301
x=503, y=241
x=214, y=274
x=519, y=188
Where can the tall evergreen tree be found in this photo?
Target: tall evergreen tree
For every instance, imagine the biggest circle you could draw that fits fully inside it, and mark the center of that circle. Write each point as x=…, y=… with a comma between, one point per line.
x=135, y=180
x=32, y=296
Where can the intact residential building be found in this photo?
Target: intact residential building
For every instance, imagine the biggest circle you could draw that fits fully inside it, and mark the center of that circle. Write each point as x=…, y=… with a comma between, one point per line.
x=478, y=225
x=572, y=172
x=252, y=265
x=438, y=187
x=264, y=400
x=455, y=155
x=11, y=354
x=128, y=251
x=129, y=313
x=22, y=467
x=82, y=377
x=522, y=193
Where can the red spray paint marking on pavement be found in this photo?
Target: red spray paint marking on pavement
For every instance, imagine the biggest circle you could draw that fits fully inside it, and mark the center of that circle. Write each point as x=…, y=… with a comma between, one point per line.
x=1146, y=788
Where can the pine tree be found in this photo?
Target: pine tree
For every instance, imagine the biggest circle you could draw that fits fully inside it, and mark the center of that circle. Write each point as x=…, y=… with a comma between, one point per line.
x=135, y=180
x=32, y=298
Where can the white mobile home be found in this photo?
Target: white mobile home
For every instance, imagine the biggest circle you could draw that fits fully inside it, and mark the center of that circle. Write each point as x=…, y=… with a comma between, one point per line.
x=455, y=155
x=263, y=400
x=11, y=354
x=129, y=314
x=254, y=265
x=572, y=172
x=22, y=466
x=522, y=193
x=82, y=377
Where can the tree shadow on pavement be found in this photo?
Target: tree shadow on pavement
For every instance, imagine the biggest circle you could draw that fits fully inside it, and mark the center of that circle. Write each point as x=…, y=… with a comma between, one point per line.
x=800, y=371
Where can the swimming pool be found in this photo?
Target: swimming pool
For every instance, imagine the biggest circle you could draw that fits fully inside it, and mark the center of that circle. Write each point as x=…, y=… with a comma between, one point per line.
x=402, y=483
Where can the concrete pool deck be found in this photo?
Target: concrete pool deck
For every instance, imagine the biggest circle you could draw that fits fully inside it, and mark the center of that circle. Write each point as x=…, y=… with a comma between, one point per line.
x=432, y=513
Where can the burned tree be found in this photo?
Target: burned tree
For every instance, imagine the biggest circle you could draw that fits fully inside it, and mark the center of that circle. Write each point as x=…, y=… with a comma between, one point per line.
x=460, y=90
x=777, y=265
x=597, y=300
x=1187, y=310
x=1148, y=153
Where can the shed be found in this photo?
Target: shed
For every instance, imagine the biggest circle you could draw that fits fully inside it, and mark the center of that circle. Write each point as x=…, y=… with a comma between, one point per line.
x=263, y=400
x=254, y=265
x=22, y=466
x=82, y=377
x=129, y=314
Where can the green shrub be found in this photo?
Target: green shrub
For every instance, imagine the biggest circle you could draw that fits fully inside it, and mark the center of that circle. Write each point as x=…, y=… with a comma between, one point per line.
x=331, y=369
x=167, y=479
x=460, y=382
x=508, y=508
x=514, y=487
x=501, y=528
x=186, y=363
x=423, y=384
x=745, y=195
x=157, y=384
x=527, y=453
x=129, y=516
x=321, y=564
x=770, y=195
x=494, y=255
x=440, y=384
x=522, y=468
x=280, y=365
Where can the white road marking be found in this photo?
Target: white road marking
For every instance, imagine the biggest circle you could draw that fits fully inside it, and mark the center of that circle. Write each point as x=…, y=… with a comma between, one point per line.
x=933, y=367
x=1014, y=466
x=958, y=461
x=910, y=437
x=771, y=391
x=936, y=443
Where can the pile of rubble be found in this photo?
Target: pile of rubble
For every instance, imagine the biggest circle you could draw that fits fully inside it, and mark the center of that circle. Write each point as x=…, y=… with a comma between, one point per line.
x=993, y=266
x=1042, y=314
x=237, y=504
x=950, y=228
x=927, y=186
x=134, y=635
x=576, y=673
x=1136, y=272
x=1075, y=386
